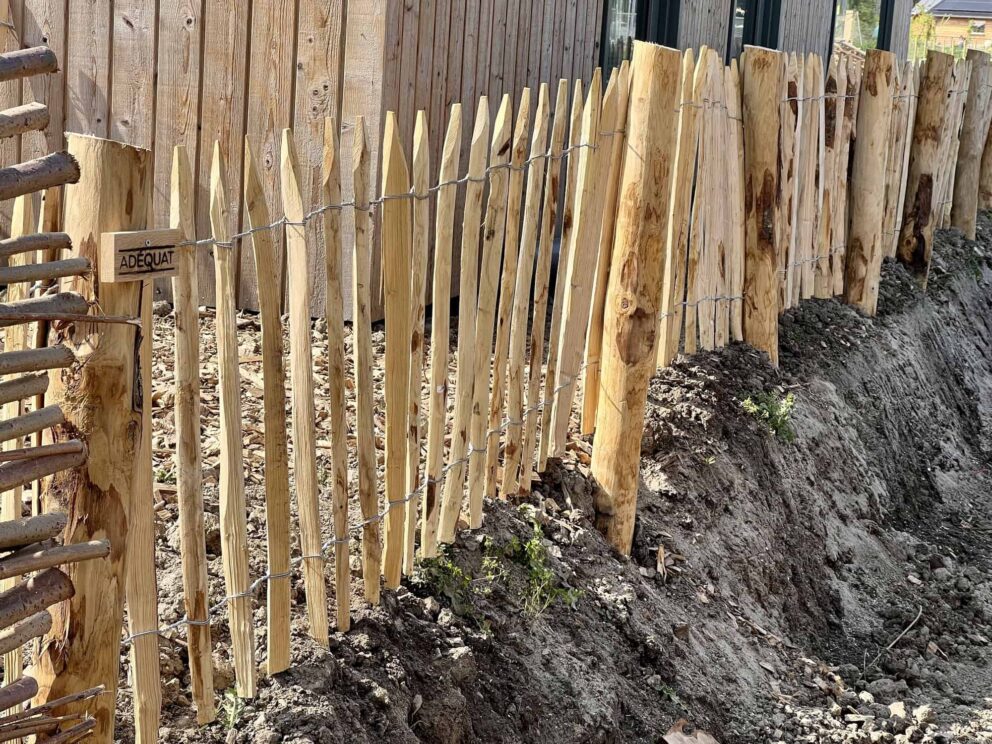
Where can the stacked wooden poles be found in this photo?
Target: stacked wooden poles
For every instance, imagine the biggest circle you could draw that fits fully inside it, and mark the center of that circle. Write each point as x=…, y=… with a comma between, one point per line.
x=83, y=648
x=524, y=273
x=867, y=202
x=485, y=321
x=542, y=278
x=629, y=350
x=361, y=278
x=921, y=210
x=302, y=397
x=331, y=194
x=974, y=134
x=440, y=329
x=231, y=490
x=761, y=88
x=613, y=140
x=277, y=516
x=397, y=230
x=189, y=458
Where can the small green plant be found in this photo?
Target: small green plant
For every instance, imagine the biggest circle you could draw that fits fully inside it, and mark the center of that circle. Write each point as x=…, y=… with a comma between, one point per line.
x=231, y=709
x=165, y=475
x=774, y=412
x=445, y=578
x=542, y=586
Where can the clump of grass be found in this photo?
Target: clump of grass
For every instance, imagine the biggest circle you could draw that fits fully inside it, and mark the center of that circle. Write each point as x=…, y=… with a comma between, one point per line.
x=774, y=412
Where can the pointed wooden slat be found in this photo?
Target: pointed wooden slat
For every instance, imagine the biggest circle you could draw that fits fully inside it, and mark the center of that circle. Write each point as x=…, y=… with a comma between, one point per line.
x=974, y=133
x=397, y=267
x=231, y=490
x=277, y=511
x=492, y=245
x=302, y=394
x=525, y=271
x=361, y=270
x=507, y=284
x=418, y=302
x=542, y=275
x=851, y=88
x=736, y=150
x=330, y=193
x=468, y=296
x=612, y=139
x=823, y=281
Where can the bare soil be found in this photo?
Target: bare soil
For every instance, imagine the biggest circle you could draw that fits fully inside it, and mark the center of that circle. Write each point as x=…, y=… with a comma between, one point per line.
x=832, y=582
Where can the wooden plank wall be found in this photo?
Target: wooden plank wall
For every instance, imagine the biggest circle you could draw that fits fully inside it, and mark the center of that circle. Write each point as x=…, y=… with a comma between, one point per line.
x=156, y=73
x=901, y=17
x=705, y=22
x=805, y=27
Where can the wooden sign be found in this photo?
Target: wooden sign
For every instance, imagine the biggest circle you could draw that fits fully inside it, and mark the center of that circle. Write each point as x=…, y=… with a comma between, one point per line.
x=137, y=255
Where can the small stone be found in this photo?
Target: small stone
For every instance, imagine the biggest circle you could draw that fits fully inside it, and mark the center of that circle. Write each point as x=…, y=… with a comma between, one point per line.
x=463, y=667
x=445, y=618
x=681, y=631
x=432, y=607
x=866, y=697
x=161, y=309
x=897, y=709
x=923, y=714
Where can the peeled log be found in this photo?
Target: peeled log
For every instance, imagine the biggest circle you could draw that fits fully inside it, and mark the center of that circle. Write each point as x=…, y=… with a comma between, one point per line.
x=17, y=533
x=26, y=62
x=83, y=648
x=34, y=595
x=55, y=242
x=30, y=117
x=39, y=174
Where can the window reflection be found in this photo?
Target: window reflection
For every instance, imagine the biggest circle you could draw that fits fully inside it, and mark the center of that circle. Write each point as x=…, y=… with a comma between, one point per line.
x=737, y=28
x=857, y=23
x=621, y=29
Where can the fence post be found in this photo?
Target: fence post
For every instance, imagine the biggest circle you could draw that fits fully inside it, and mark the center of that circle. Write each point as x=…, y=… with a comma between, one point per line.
x=985, y=179
x=919, y=211
x=977, y=114
x=630, y=323
x=864, y=243
x=761, y=88
x=82, y=650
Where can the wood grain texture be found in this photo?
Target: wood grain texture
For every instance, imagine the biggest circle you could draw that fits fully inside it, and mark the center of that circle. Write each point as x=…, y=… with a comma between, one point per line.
x=87, y=65
x=974, y=133
x=43, y=22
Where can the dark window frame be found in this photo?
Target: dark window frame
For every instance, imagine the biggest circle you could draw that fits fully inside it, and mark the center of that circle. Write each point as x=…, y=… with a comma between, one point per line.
x=657, y=21
x=886, y=24
x=761, y=24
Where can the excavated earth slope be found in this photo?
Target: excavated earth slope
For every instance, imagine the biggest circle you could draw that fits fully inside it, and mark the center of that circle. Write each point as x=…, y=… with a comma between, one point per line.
x=828, y=582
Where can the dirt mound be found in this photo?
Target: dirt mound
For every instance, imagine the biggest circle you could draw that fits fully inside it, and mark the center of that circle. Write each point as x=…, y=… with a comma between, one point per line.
x=812, y=562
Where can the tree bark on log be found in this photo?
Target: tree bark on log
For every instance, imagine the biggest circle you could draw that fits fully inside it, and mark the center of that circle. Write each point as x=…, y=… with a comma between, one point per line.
x=17, y=533
x=28, y=629
x=23, y=63
x=30, y=423
x=69, y=447
x=18, y=692
x=30, y=117
x=21, y=388
x=20, y=473
x=63, y=303
x=34, y=595
x=54, y=242
x=98, y=399
x=35, y=360
x=40, y=271
x=56, y=169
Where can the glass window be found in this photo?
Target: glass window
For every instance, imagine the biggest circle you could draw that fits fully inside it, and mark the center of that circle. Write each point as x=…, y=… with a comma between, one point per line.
x=740, y=12
x=858, y=22
x=621, y=30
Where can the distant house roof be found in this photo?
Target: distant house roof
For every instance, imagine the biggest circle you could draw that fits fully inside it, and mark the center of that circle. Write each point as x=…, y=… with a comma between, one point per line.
x=955, y=8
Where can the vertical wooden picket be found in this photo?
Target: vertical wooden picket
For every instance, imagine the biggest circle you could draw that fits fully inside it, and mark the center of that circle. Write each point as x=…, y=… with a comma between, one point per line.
x=492, y=251
x=735, y=124
x=525, y=267
x=507, y=285
x=839, y=249
x=792, y=136
x=564, y=250
x=189, y=457
x=613, y=140
x=361, y=294
x=302, y=393
x=912, y=81
x=974, y=133
x=233, y=514
x=277, y=518
x=397, y=265
x=823, y=283
x=440, y=329
x=418, y=288
x=549, y=219
x=330, y=193
x=468, y=298
x=761, y=86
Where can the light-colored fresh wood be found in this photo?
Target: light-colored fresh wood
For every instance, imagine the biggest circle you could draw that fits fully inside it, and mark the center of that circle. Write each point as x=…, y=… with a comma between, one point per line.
x=920, y=210
x=851, y=88
x=612, y=139
x=363, y=366
x=912, y=73
x=507, y=297
x=762, y=81
x=629, y=357
x=485, y=321
x=974, y=133
x=189, y=455
x=231, y=489
x=510, y=484
x=277, y=519
x=894, y=160
x=864, y=245
x=677, y=238
x=302, y=394
x=330, y=193
x=791, y=188
x=564, y=250
x=582, y=256
x=823, y=282
x=397, y=228
x=418, y=304
x=735, y=146
x=132, y=93
x=143, y=254
x=468, y=294
x=83, y=648
x=440, y=330
x=985, y=179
